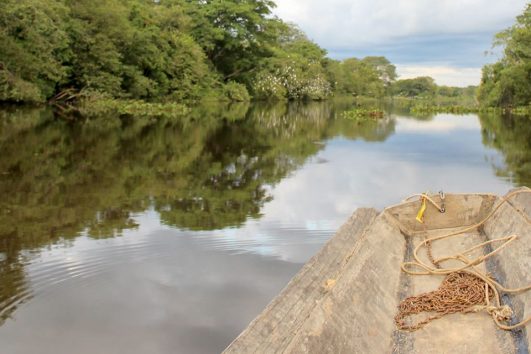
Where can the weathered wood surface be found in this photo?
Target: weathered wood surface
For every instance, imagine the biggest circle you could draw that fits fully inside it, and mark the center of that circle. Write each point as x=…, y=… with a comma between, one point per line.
x=345, y=298
x=461, y=210
x=274, y=329
x=512, y=267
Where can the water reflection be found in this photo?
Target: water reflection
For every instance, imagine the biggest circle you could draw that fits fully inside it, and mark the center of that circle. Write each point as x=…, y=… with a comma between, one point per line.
x=213, y=213
x=60, y=179
x=512, y=136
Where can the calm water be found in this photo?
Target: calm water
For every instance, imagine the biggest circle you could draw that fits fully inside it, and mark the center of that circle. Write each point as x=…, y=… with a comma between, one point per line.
x=155, y=236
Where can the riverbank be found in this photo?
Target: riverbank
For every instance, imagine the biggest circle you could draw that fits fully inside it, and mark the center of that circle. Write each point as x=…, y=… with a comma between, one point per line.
x=92, y=106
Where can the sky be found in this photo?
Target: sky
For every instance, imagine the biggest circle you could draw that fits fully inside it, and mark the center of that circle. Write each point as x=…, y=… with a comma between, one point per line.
x=444, y=39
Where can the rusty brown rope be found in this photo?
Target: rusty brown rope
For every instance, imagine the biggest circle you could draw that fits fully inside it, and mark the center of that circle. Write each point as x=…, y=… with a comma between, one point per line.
x=459, y=292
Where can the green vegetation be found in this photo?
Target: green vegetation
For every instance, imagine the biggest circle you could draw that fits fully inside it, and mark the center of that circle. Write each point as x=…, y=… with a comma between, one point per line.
x=424, y=89
x=507, y=83
x=370, y=76
x=512, y=136
x=96, y=104
x=59, y=180
x=361, y=114
x=145, y=57
x=421, y=96
x=423, y=86
x=429, y=108
x=463, y=109
x=155, y=51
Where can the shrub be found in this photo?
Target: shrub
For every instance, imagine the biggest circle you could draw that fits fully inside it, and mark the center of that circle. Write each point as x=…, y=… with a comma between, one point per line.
x=236, y=92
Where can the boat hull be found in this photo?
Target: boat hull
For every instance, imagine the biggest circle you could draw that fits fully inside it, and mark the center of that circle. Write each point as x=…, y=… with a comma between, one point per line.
x=345, y=298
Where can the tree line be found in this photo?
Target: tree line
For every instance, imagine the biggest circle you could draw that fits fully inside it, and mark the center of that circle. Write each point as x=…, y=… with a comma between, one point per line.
x=507, y=82
x=186, y=50
x=169, y=50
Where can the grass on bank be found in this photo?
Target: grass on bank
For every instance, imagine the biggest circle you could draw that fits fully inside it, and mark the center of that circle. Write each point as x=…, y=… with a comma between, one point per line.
x=91, y=104
x=363, y=114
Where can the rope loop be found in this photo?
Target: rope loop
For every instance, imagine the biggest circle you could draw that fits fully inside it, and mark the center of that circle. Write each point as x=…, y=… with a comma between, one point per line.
x=500, y=313
x=465, y=288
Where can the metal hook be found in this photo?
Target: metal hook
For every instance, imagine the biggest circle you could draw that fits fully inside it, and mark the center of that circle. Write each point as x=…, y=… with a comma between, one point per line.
x=442, y=196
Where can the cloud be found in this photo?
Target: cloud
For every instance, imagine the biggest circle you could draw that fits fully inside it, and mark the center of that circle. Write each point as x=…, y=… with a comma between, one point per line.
x=410, y=33
x=443, y=75
x=454, y=60
x=463, y=50
x=344, y=23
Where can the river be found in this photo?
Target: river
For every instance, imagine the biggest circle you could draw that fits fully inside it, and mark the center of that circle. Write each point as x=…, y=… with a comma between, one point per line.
x=143, y=235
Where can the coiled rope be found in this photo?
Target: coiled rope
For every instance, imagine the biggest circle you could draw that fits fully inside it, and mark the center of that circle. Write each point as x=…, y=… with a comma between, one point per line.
x=465, y=289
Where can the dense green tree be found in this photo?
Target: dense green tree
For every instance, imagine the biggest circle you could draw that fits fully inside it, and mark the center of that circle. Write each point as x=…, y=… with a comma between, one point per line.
x=173, y=51
x=294, y=41
x=34, y=46
x=295, y=71
x=123, y=48
x=386, y=70
x=508, y=82
x=448, y=91
x=136, y=49
x=360, y=78
x=153, y=50
x=357, y=77
x=455, y=92
x=233, y=34
x=420, y=86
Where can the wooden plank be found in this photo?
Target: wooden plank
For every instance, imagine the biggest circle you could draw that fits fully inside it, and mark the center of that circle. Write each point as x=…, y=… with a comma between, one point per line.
x=512, y=265
x=357, y=314
x=274, y=329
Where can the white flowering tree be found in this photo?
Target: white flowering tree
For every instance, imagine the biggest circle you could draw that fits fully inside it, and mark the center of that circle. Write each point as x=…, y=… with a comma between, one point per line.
x=296, y=70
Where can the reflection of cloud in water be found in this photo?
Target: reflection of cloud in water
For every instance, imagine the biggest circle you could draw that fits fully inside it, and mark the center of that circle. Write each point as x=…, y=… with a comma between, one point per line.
x=314, y=201
x=159, y=288
x=442, y=123
x=162, y=289
x=170, y=294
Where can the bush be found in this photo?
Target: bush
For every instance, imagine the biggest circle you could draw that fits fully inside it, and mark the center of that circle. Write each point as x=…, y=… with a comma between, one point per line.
x=293, y=80
x=93, y=104
x=267, y=86
x=14, y=89
x=236, y=92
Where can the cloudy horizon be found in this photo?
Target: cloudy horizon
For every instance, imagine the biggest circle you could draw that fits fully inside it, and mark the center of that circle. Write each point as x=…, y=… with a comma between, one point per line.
x=447, y=39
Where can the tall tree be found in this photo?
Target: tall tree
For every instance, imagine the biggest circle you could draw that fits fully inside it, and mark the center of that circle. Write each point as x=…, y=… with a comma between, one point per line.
x=34, y=44
x=357, y=77
x=386, y=70
x=233, y=34
x=508, y=82
x=419, y=86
